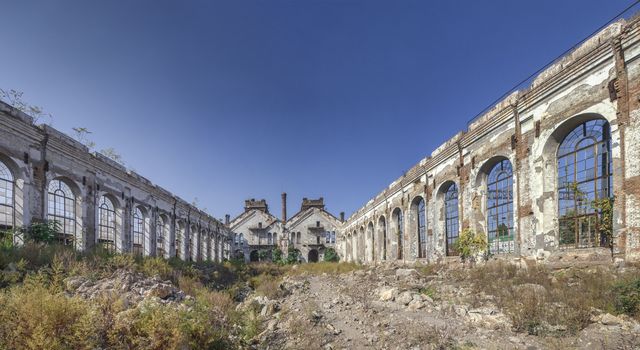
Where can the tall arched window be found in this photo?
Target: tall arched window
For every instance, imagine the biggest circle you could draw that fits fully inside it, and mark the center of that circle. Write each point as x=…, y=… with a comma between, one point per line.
x=421, y=226
x=451, y=217
x=275, y=238
x=298, y=238
x=584, y=175
x=193, y=244
x=397, y=215
x=382, y=223
x=179, y=239
x=138, y=232
x=61, y=209
x=7, y=212
x=160, y=235
x=107, y=224
x=269, y=238
x=500, y=208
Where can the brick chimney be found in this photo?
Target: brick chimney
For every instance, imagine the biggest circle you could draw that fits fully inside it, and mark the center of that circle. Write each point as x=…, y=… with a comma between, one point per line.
x=227, y=219
x=342, y=216
x=284, y=206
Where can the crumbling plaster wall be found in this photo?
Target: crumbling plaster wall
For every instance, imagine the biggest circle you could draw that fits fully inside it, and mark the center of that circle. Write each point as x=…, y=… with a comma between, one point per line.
x=38, y=154
x=526, y=128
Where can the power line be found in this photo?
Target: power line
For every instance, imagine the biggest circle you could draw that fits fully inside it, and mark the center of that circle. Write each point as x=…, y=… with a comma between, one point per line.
x=553, y=61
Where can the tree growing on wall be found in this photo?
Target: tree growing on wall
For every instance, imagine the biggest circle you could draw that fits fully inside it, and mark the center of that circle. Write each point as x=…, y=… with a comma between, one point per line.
x=82, y=135
x=14, y=98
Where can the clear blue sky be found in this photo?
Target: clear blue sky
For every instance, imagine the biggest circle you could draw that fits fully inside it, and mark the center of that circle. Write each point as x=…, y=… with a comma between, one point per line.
x=228, y=100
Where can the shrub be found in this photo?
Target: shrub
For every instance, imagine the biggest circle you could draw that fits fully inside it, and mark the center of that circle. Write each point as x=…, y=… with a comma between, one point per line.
x=469, y=244
x=157, y=267
x=331, y=255
x=293, y=256
x=626, y=297
x=276, y=255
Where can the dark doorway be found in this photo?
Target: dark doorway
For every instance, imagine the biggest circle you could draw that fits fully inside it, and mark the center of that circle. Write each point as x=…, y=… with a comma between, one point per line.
x=313, y=256
x=253, y=256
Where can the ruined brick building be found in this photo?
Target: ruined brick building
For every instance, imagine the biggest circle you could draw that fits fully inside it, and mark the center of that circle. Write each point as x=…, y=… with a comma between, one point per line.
x=526, y=172
x=46, y=175
x=311, y=230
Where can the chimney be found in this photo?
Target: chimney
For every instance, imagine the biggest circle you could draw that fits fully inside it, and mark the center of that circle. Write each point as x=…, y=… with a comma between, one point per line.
x=342, y=216
x=227, y=218
x=284, y=206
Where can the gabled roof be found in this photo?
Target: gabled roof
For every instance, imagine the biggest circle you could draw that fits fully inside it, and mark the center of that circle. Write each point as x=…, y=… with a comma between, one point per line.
x=240, y=219
x=303, y=214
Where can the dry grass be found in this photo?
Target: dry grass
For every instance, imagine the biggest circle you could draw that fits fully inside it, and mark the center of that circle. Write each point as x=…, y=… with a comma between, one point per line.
x=539, y=301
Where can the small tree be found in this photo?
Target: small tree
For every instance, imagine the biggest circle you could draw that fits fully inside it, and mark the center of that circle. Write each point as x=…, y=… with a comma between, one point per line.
x=604, y=207
x=262, y=254
x=331, y=255
x=276, y=255
x=14, y=98
x=470, y=244
x=293, y=256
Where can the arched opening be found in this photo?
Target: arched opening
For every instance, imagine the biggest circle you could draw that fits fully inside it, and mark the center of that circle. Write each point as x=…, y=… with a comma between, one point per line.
x=313, y=256
x=239, y=255
x=382, y=225
x=452, y=228
x=398, y=221
x=179, y=239
x=107, y=224
x=269, y=238
x=370, y=242
x=7, y=198
x=138, y=226
x=253, y=256
x=193, y=243
x=500, y=208
x=61, y=209
x=584, y=177
x=419, y=211
x=161, y=232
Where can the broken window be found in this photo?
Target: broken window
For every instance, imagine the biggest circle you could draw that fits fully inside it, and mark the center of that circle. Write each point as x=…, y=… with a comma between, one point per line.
x=107, y=224
x=160, y=233
x=421, y=228
x=451, y=217
x=61, y=209
x=138, y=231
x=397, y=215
x=500, y=208
x=7, y=211
x=584, y=175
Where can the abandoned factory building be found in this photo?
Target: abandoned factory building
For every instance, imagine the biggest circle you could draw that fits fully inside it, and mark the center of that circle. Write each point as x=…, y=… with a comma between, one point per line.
x=46, y=175
x=311, y=230
x=535, y=173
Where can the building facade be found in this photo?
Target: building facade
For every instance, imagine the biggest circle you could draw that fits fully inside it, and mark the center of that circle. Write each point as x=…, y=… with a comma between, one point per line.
x=533, y=173
x=311, y=230
x=48, y=176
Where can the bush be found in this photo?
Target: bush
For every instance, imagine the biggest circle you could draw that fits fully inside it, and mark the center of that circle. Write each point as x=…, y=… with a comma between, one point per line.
x=626, y=297
x=293, y=256
x=469, y=244
x=276, y=255
x=331, y=255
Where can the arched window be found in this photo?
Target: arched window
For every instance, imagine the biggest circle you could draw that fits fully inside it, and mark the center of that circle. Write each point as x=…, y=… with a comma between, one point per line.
x=193, y=244
x=584, y=176
x=298, y=238
x=500, y=208
x=397, y=215
x=383, y=227
x=241, y=239
x=62, y=210
x=275, y=238
x=160, y=235
x=179, y=235
x=421, y=228
x=7, y=212
x=138, y=232
x=269, y=238
x=107, y=224
x=451, y=217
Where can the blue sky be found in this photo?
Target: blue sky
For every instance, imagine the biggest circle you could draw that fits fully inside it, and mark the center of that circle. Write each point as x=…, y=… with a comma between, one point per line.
x=228, y=100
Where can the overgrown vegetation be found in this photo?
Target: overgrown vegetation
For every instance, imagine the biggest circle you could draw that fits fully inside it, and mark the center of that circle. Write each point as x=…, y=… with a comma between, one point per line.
x=469, y=244
x=36, y=311
x=540, y=302
x=331, y=255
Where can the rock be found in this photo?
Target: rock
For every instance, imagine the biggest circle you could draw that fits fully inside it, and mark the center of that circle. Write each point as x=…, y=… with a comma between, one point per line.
x=610, y=320
x=404, y=298
x=161, y=290
x=388, y=294
x=73, y=283
x=406, y=272
x=415, y=305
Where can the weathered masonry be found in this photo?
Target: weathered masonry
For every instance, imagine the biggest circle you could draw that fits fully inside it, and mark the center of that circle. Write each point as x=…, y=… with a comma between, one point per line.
x=532, y=173
x=45, y=175
x=311, y=230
